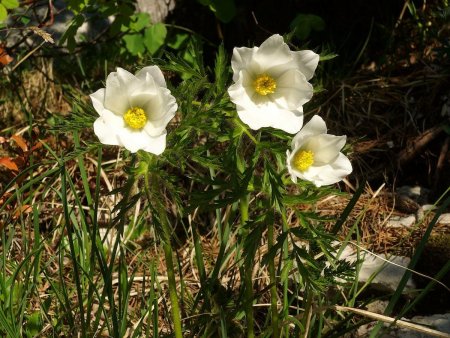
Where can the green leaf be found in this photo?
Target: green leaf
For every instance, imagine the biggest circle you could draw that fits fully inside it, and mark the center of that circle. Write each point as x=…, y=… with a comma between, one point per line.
x=69, y=34
x=25, y=20
x=10, y=4
x=303, y=24
x=34, y=324
x=139, y=21
x=155, y=37
x=3, y=12
x=225, y=10
x=446, y=128
x=134, y=43
x=328, y=56
x=177, y=40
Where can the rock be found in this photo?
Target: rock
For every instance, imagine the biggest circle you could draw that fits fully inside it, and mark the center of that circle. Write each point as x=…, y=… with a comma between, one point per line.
x=416, y=193
x=438, y=322
x=428, y=207
x=157, y=9
x=388, y=269
x=398, y=221
x=377, y=306
x=387, y=274
x=444, y=219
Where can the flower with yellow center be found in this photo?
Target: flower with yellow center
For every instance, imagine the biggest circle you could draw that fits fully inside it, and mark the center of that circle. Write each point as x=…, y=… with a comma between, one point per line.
x=316, y=155
x=271, y=84
x=264, y=85
x=134, y=110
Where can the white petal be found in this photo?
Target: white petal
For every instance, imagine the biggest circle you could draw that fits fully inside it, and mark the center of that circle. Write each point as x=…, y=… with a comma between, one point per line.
x=116, y=99
x=153, y=72
x=241, y=59
x=342, y=165
x=315, y=126
x=152, y=103
x=156, y=127
x=242, y=96
x=126, y=79
x=292, y=90
x=320, y=176
x=325, y=147
x=98, y=99
x=105, y=133
x=273, y=52
x=271, y=116
x=141, y=87
x=289, y=157
x=112, y=120
x=330, y=173
x=307, y=62
x=134, y=140
x=157, y=145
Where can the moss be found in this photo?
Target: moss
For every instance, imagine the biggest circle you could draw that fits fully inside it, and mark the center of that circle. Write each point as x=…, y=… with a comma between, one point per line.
x=435, y=255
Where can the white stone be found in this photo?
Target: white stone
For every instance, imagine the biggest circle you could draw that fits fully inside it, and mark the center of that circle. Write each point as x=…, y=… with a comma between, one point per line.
x=387, y=274
x=377, y=306
x=438, y=322
x=444, y=218
x=399, y=221
x=428, y=207
x=410, y=191
x=417, y=193
x=389, y=269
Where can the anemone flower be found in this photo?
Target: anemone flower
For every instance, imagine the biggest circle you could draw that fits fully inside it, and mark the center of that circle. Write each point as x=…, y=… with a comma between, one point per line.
x=271, y=84
x=316, y=155
x=134, y=110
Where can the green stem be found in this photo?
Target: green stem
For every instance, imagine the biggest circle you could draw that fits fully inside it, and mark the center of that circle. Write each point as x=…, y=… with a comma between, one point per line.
x=248, y=283
x=168, y=252
x=273, y=282
x=285, y=310
x=241, y=125
x=173, y=289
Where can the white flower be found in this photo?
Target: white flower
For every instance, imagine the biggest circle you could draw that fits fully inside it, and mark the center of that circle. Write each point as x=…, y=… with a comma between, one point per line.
x=134, y=110
x=271, y=84
x=316, y=155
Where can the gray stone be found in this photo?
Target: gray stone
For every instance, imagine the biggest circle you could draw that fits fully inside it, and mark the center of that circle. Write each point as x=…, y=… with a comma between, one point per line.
x=444, y=218
x=399, y=221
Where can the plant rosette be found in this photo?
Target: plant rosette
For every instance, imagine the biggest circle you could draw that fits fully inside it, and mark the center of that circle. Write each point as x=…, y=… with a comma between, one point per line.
x=134, y=110
x=271, y=84
x=316, y=155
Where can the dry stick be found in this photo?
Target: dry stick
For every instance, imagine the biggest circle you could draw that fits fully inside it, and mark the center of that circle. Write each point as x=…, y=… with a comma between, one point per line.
x=391, y=320
x=27, y=56
x=440, y=163
x=418, y=144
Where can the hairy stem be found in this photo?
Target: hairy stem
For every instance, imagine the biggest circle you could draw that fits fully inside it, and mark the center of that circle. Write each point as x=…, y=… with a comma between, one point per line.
x=273, y=283
x=248, y=283
x=167, y=247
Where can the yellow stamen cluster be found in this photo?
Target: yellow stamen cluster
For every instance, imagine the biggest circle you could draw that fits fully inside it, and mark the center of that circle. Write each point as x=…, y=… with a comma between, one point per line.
x=303, y=159
x=265, y=84
x=135, y=118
